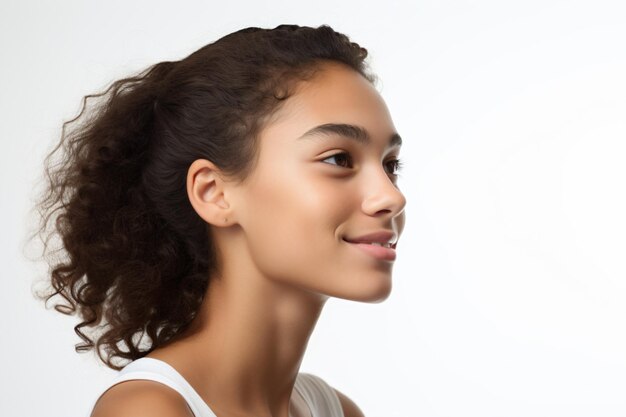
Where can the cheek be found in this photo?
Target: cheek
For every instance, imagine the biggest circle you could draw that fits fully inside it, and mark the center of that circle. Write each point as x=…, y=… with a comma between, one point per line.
x=292, y=228
x=292, y=225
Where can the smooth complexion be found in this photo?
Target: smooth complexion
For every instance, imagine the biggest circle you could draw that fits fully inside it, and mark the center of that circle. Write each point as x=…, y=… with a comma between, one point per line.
x=281, y=250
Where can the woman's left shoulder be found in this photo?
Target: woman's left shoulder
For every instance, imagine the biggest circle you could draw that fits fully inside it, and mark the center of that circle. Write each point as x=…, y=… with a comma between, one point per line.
x=350, y=409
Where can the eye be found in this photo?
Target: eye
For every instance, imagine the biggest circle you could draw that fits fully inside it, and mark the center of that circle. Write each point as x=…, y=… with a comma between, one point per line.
x=340, y=156
x=397, y=164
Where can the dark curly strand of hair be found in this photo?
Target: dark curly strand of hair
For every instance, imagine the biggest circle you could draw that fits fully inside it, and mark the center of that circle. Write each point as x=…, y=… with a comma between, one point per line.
x=137, y=259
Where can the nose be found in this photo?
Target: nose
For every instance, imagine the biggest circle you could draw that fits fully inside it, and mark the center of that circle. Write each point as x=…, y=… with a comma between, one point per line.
x=382, y=195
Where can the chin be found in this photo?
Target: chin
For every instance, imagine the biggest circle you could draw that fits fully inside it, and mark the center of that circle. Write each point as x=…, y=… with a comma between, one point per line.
x=375, y=296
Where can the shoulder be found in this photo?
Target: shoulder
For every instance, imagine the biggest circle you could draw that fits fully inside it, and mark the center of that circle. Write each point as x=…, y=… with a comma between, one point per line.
x=350, y=409
x=141, y=398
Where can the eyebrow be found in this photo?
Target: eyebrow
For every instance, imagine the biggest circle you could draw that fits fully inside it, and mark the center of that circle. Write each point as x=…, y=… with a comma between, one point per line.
x=357, y=133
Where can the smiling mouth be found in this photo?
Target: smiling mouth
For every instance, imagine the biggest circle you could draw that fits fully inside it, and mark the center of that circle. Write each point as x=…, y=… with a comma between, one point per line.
x=384, y=245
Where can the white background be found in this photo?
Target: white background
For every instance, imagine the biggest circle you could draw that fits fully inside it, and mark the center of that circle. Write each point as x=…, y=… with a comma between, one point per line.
x=510, y=283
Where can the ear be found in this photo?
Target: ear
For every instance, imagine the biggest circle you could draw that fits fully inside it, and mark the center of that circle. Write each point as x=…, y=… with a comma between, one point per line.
x=206, y=192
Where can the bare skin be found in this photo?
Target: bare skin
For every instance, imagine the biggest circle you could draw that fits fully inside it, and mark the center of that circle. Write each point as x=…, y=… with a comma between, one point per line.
x=281, y=248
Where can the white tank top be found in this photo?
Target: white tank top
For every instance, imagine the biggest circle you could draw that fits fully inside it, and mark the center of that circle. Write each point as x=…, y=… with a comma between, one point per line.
x=321, y=399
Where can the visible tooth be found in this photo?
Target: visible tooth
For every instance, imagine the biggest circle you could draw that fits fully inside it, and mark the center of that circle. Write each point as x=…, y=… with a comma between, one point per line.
x=386, y=245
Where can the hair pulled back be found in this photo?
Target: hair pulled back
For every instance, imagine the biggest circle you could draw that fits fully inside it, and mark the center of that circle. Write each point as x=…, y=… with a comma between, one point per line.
x=136, y=259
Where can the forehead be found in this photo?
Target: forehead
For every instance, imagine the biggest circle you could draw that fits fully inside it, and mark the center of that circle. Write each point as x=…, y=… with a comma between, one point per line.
x=336, y=95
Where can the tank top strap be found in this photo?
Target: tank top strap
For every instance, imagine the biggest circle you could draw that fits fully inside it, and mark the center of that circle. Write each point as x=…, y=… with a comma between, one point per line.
x=320, y=396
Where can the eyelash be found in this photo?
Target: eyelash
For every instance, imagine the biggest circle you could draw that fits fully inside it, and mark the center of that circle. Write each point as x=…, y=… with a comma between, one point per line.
x=397, y=162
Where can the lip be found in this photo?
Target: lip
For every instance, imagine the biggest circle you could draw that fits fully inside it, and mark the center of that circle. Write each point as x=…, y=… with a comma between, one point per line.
x=378, y=252
x=382, y=236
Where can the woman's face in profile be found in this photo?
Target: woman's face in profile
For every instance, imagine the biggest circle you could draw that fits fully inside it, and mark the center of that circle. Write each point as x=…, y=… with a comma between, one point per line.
x=309, y=193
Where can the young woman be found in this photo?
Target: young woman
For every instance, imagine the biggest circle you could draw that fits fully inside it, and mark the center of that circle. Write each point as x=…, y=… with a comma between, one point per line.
x=208, y=210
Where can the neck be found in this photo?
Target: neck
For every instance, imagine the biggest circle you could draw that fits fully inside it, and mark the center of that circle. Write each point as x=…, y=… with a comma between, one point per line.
x=243, y=351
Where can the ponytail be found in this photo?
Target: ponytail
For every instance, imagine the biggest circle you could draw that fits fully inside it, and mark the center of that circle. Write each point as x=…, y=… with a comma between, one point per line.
x=121, y=251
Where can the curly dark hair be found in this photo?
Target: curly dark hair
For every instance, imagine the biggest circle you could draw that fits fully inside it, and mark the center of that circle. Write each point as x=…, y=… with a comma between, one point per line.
x=136, y=259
